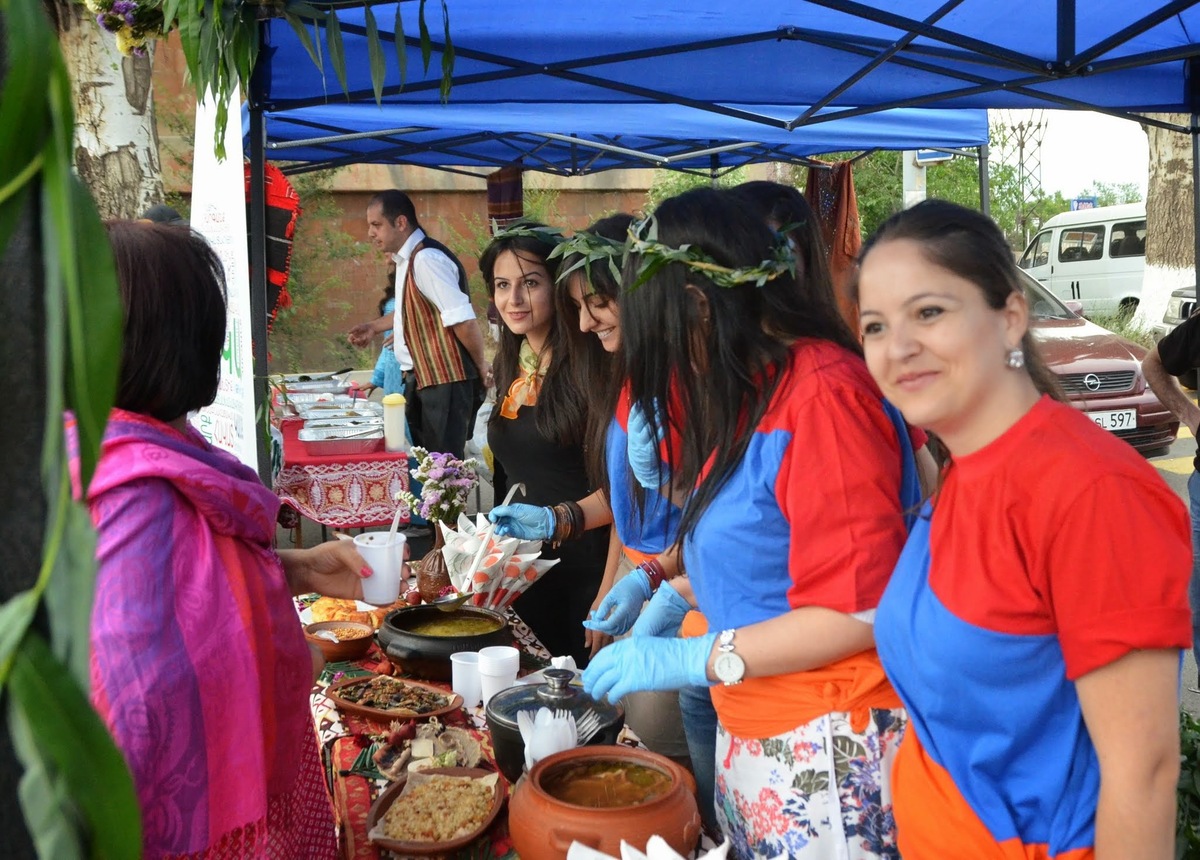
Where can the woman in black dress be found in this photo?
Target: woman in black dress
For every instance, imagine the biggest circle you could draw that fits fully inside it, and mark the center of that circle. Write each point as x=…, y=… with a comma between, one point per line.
x=537, y=432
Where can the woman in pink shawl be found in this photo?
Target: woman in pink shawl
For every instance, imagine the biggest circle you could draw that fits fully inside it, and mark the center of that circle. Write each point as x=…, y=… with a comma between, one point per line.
x=199, y=664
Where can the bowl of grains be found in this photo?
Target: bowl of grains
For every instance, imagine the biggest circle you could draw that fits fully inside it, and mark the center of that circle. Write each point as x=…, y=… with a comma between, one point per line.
x=340, y=640
x=435, y=811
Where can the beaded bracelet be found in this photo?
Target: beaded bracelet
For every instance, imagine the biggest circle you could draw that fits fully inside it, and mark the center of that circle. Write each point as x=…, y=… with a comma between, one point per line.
x=655, y=571
x=568, y=522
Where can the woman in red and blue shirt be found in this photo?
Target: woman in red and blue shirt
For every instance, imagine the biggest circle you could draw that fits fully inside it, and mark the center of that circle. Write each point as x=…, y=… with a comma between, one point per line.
x=1034, y=644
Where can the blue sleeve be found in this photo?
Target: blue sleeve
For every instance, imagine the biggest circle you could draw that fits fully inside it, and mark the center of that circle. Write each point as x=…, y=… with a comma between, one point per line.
x=910, y=484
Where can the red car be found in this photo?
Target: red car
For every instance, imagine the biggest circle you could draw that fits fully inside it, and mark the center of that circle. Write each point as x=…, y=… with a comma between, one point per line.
x=1100, y=372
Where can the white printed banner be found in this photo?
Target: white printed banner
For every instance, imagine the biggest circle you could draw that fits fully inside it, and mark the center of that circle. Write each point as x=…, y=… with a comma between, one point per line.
x=219, y=214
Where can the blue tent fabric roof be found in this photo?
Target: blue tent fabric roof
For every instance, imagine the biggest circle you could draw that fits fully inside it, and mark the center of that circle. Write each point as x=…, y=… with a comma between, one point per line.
x=574, y=139
x=713, y=54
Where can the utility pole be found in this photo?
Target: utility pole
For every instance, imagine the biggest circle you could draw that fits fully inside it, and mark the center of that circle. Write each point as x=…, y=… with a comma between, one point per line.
x=1020, y=141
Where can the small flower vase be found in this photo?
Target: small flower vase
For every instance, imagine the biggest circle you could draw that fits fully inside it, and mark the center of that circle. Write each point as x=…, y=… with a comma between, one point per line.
x=432, y=575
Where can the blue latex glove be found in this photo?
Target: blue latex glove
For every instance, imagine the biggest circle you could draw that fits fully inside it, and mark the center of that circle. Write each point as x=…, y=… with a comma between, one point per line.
x=620, y=607
x=664, y=613
x=527, y=522
x=643, y=437
x=648, y=663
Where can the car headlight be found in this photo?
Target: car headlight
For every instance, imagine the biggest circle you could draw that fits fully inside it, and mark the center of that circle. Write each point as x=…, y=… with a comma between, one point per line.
x=1174, y=310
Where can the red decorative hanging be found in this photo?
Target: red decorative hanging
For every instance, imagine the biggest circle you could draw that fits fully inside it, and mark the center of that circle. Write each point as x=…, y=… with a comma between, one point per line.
x=283, y=211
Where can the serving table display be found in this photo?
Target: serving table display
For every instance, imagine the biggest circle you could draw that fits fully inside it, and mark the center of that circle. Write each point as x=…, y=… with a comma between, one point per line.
x=349, y=742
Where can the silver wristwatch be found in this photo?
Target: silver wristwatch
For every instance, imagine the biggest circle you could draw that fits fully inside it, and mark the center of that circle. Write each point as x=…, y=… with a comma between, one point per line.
x=728, y=666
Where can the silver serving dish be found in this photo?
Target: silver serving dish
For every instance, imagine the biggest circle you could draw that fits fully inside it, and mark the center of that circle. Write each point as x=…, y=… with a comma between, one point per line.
x=322, y=386
x=341, y=441
x=361, y=410
x=363, y=422
x=320, y=400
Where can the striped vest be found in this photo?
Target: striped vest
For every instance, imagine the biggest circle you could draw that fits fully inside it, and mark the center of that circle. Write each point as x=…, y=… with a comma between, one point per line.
x=438, y=357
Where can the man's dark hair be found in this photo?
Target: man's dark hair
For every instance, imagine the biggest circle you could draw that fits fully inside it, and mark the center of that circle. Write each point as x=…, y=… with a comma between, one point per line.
x=161, y=213
x=173, y=291
x=394, y=204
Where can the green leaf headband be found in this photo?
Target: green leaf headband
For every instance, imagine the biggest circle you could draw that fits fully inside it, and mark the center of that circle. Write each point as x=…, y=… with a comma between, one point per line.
x=655, y=255
x=591, y=249
x=546, y=235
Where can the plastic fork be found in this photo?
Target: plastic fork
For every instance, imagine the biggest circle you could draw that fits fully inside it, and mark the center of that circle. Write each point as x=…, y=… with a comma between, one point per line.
x=566, y=716
x=586, y=727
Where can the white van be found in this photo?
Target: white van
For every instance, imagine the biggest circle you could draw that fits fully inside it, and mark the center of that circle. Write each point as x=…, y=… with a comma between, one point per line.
x=1092, y=256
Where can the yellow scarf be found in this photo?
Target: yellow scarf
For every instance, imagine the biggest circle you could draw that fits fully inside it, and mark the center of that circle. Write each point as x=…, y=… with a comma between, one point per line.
x=524, y=389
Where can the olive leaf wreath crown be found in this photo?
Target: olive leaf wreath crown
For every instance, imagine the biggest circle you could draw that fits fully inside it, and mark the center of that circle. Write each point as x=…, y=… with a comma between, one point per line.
x=540, y=232
x=592, y=249
x=643, y=241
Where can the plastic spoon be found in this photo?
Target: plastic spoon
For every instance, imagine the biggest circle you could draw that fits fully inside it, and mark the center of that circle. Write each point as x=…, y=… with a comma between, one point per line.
x=512, y=491
x=451, y=602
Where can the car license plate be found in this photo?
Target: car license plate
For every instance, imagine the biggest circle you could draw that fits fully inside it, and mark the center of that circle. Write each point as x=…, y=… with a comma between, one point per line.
x=1117, y=419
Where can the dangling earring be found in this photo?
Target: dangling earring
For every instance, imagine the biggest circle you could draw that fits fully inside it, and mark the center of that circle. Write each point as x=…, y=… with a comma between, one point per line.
x=1016, y=358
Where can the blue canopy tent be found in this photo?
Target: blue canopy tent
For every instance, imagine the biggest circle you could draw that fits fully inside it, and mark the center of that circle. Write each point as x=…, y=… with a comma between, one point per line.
x=572, y=139
x=782, y=65
x=730, y=58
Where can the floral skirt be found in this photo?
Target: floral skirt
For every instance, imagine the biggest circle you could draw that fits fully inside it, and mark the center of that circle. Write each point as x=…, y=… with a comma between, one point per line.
x=819, y=791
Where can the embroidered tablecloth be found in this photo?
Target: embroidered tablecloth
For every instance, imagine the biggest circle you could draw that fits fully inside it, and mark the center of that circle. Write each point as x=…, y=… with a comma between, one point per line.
x=346, y=492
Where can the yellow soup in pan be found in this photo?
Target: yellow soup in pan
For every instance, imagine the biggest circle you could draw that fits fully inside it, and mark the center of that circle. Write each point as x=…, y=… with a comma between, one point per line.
x=462, y=625
x=606, y=783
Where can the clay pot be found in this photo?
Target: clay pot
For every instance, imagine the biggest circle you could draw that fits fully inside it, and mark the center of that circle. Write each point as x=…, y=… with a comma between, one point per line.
x=544, y=827
x=432, y=574
x=429, y=656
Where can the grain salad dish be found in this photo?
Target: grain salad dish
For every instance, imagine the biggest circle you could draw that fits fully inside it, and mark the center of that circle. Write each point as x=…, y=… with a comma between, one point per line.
x=439, y=809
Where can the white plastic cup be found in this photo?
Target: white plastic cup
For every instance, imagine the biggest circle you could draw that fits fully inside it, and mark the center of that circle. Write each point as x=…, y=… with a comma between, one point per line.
x=464, y=668
x=385, y=559
x=498, y=666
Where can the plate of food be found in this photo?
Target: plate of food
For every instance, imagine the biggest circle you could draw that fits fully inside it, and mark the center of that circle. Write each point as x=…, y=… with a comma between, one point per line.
x=382, y=697
x=435, y=811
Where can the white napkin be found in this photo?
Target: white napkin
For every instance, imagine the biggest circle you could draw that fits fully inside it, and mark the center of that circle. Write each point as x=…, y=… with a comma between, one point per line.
x=567, y=662
x=656, y=849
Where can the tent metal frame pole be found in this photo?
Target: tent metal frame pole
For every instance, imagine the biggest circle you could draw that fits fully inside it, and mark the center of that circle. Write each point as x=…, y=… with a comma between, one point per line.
x=985, y=187
x=1195, y=132
x=341, y=138
x=880, y=58
x=258, y=284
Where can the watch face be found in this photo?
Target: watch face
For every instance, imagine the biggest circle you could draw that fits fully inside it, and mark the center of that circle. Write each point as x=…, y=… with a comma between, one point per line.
x=729, y=667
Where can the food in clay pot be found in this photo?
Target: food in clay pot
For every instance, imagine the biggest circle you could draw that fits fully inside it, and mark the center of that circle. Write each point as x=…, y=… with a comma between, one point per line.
x=420, y=639
x=600, y=796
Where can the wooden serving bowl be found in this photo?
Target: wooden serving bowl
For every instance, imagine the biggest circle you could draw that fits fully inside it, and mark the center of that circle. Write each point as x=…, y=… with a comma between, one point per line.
x=346, y=649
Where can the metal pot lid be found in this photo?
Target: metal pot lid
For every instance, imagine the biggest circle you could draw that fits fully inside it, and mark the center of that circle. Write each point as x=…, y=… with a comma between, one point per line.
x=557, y=692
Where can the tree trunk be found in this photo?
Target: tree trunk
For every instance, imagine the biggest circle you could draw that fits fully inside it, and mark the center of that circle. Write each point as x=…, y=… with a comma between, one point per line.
x=1170, y=256
x=116, y=140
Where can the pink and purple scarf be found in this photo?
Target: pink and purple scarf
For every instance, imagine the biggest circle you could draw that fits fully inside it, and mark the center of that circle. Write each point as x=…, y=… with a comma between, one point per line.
x=199, y=665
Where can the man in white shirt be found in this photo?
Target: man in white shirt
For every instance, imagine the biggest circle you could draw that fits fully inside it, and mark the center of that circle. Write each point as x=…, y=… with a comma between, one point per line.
x=437, y=339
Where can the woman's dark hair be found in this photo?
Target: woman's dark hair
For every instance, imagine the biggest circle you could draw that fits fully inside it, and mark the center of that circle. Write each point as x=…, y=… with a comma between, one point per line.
x=969, y=244
x=562, y=404
x=389, y=288
x=783, y=206
x=596, y=370
x=173, y=290
x=742, y=339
